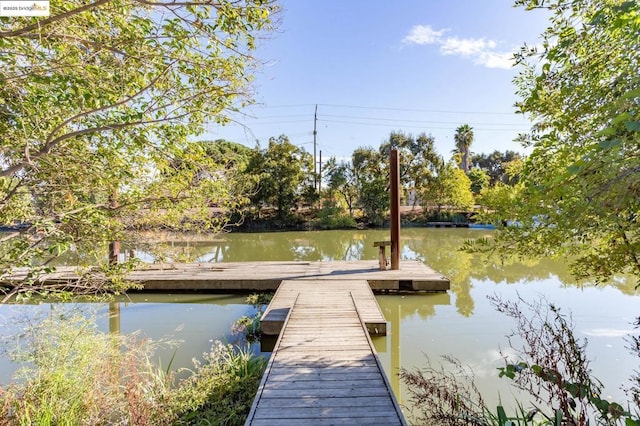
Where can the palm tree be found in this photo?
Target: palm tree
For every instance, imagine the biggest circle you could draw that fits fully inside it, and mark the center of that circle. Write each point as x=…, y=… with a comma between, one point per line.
x=464, y=139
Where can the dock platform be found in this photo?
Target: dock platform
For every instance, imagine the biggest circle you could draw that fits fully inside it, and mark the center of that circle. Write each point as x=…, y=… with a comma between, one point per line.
x=265, y=276
x=324, y=369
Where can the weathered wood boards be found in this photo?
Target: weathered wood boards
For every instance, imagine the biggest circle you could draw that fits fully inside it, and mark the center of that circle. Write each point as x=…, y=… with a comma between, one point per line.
x=324, y=369
x=266, y=276
x=273, y=319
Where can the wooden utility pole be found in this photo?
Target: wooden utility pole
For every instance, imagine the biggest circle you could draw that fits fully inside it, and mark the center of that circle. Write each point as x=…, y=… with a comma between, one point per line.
x=320, y=174
x=315, y=165
x=394, y=178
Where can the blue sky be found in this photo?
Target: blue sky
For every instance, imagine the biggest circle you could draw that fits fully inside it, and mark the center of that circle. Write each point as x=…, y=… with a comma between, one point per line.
x=375, y=66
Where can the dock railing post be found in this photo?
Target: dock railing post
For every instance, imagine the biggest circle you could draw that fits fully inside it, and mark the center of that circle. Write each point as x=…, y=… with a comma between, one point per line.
x=394, y=177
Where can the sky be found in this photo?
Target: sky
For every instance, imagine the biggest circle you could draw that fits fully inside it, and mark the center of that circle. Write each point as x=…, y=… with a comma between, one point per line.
x=373, y=67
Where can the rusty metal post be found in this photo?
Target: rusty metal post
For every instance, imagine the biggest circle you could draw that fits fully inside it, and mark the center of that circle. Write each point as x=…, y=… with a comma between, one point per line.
x=394, y=178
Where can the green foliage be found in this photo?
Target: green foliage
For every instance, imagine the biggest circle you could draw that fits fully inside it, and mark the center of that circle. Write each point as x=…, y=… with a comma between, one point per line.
x=479, y=180
x=446, y=216
x=74, y=374
x=451, y=187
x=331, y=216
x=221, y=390
x=230, y=154
x=342, y=179
x=249, y=326
x=581, y=195
x=419, y=161
x=98, y=104
x=496, y=198
x=372, y=174
x=282, y=173
x=496, y=165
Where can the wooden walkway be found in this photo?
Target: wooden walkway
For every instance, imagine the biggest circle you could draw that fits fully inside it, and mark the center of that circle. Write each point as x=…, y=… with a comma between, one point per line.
x=273, y=318
x=324, y=369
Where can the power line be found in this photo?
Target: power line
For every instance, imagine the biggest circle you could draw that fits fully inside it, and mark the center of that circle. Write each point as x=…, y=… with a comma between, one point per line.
x=418, y=110
x=415, y=121
x=387, y=108
x=259, y=121
x=421, y=127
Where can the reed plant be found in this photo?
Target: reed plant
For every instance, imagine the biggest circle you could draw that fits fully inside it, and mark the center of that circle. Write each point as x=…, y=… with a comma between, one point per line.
x=74, y=374
x=222, y=388
x=551, y=366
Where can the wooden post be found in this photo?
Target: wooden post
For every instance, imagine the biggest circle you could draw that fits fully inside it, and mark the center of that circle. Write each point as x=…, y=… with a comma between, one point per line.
x=114, y=317
x=114, y=246
x=394, y=178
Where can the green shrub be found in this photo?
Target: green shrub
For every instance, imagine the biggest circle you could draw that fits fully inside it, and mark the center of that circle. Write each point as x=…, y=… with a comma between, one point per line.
x=221, y=390
x=332, y=217
x=446, y=216
x=74, y=374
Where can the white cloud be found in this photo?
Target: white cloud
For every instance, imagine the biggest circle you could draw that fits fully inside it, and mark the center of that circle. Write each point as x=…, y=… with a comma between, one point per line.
x=465, y=46
x=480, y=50
x=609, y=332
x=423, y=34
x=496, y=60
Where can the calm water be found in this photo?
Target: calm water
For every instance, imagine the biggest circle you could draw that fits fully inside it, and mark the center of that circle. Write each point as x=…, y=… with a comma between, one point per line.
x=461, y=323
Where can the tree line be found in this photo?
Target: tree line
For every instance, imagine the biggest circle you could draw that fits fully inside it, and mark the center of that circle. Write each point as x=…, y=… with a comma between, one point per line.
x=281, y=176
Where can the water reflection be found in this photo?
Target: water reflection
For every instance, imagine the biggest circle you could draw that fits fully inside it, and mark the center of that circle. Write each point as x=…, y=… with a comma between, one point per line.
x=437, y=247
x=461, y=323
x=189, y=323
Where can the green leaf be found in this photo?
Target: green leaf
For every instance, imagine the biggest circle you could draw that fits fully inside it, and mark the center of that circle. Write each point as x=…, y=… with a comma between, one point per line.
x=620, y=118
x=575, y=168
x=633, y=126
x=627, y=6
x=502, y=416
x=609, y=144
x=557, y=421
x=572, y=388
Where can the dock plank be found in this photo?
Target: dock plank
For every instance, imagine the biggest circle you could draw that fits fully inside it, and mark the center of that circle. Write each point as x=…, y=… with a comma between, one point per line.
x=273, y=318
x=324, y=369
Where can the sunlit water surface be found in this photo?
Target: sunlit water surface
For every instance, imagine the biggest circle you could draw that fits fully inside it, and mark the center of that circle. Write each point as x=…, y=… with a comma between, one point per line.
x=461, y=323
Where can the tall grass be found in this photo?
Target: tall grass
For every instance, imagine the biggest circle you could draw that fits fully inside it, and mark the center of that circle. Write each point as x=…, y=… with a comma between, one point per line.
x=73, y=374
x=221, y=389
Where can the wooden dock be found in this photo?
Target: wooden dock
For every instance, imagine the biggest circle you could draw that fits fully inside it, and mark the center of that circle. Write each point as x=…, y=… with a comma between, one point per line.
x=265, y=276
x=324, y=369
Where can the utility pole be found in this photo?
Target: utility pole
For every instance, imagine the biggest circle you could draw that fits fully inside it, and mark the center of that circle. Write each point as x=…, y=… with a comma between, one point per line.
x=315, y=133
x=320, y=174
